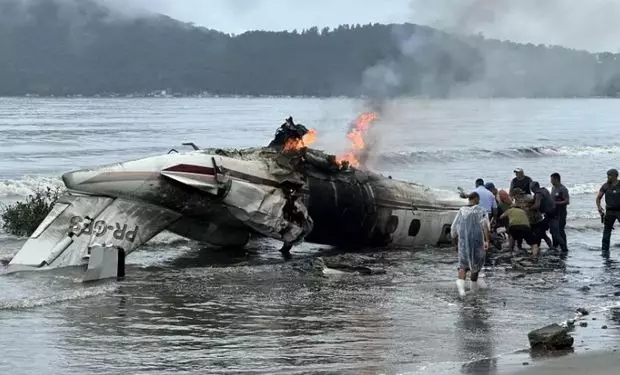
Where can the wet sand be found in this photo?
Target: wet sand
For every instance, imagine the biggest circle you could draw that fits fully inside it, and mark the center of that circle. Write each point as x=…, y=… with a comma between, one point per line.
x=597, y=363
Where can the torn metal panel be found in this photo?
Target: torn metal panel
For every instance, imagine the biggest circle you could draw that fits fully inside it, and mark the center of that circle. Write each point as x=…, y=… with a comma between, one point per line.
x=269, y=211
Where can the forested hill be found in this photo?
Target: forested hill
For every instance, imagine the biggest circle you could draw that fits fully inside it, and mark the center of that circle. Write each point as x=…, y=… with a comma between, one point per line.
x=70, y=47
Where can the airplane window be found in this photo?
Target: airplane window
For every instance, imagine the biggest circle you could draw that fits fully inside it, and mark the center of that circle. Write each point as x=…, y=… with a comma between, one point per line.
x=392, y=224
x=414, y=227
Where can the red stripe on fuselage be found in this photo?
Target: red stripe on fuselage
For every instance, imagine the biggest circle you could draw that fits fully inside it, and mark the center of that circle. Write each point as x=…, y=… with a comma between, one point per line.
x=187, y=168
x=181, y=168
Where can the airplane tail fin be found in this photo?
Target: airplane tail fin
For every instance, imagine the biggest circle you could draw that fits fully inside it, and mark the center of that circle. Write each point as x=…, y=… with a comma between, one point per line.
x=78, y=223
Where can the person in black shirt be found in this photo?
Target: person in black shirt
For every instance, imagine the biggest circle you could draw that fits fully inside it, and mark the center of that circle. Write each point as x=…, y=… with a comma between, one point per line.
x=521, y=181
x=544, y=203
x=611, y=213
x=560, y=194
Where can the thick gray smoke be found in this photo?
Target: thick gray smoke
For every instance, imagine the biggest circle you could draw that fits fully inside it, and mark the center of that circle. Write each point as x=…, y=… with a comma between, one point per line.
x=590, y=25
x=466, y=64
x=73, y=12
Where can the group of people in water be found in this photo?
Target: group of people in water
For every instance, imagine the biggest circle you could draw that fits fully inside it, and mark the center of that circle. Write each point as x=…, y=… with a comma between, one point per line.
x=526, y=213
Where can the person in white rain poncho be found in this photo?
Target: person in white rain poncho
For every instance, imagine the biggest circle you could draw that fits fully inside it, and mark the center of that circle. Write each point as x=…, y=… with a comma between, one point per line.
x=470, y=231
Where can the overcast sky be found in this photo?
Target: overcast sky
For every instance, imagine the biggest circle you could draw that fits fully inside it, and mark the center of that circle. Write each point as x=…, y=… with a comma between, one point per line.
x=588, y=24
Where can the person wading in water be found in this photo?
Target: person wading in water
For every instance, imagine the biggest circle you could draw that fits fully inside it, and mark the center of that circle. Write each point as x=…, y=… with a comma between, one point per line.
x=519, y=229
x=611, y=213
x=521, y=181
x=471, y=232
x=487, y=199
x=560, y=194
x=544, y=203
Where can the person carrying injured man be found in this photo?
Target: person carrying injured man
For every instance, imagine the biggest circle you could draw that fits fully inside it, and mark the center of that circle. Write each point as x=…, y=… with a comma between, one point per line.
x=471, y=232
x=537, y=224
x=503, y=202
x=521, y=181
x=486, y=198
x=519, y=229
x=545, y=204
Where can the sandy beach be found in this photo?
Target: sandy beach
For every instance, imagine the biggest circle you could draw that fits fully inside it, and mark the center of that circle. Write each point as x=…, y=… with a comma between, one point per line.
x=595, y=363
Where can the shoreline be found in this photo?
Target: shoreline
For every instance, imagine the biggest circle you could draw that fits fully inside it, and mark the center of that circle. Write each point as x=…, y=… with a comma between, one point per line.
x=596, y=350
x=599, y=362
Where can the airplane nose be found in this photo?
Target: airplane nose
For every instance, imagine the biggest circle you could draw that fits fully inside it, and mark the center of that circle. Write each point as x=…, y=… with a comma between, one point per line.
x=69, y=180
x=73, y=180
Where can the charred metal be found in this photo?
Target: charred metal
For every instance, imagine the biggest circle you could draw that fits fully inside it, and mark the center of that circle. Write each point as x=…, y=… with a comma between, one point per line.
x=223, y=197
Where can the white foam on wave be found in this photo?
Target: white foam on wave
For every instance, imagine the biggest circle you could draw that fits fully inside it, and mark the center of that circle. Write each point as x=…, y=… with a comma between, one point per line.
x=27, y=185
x=64, y=296
x=167, y=238
x=576, y=189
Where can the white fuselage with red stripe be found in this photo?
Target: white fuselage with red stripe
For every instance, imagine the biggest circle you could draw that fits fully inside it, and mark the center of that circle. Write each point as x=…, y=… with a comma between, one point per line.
x=404, y=214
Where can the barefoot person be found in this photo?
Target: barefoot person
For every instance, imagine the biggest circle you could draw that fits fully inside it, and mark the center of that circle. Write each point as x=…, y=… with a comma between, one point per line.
x=471, y=231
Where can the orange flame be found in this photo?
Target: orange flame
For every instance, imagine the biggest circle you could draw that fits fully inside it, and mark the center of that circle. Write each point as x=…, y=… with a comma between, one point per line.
x=356, y=136
x=299, y=143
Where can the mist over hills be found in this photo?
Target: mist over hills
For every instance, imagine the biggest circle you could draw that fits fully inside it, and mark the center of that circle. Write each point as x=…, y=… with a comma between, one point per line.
x=93, y=47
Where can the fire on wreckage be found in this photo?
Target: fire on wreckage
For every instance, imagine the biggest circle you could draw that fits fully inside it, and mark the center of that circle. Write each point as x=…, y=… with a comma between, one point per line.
x=286, y=191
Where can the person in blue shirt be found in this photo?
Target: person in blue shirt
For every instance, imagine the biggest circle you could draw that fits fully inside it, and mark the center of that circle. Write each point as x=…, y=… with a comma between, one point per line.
x=487, y=199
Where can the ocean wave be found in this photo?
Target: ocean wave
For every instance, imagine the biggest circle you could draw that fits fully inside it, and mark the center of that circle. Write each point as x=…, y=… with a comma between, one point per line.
x=22, y=187
x=574, y=190
x=52, y=299
x=407, y=158
x=168, y=238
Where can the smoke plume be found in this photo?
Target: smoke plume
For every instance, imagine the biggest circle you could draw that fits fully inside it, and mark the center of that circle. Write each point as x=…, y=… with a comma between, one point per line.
x=462, y=63
x=590, y=25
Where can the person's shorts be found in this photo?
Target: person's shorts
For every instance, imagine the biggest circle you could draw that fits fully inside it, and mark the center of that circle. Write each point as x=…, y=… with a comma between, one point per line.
x=522, y=232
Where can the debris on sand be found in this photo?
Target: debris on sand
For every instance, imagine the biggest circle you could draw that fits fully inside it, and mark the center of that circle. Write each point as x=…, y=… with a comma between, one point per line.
x=551, y=337
x=314, y=265
x=523, y=263
x=365, y=265
x=582, y=311
x=345, y=263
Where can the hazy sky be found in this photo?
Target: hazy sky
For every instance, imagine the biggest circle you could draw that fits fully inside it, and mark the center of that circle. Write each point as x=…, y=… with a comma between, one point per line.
x=586, y=24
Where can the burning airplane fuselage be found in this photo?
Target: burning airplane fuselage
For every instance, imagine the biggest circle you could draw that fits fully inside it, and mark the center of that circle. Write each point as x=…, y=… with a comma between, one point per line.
x=351, y=208
x=222, y=197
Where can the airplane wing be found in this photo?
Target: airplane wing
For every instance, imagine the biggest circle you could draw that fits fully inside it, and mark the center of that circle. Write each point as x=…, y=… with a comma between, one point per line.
x=78, y=222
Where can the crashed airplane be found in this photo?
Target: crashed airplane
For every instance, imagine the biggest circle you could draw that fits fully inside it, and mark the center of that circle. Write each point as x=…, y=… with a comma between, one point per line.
x=285, y=191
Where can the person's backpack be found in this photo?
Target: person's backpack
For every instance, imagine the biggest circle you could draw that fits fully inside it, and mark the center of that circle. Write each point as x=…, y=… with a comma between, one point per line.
x=547, y=204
